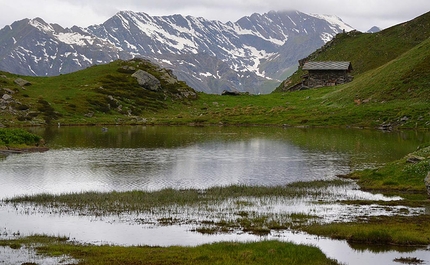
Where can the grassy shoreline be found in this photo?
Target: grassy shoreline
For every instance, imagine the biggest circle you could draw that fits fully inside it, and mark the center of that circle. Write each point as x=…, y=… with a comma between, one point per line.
x=404, y=177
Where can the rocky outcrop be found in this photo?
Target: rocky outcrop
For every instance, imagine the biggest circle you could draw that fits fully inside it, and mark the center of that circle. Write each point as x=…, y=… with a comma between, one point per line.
x=413, y=159
x=22, y=82
x=230, y=93
x=146, y=80
x=6, y=99
x=168, y=76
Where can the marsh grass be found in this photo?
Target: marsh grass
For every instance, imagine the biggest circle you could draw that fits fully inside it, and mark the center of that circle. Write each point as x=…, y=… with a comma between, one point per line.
x=409, y=260
x=235, y=196
x=239, y=208
x=381, y=230
x=256, y=223
x=213, y=210
x=264, y=252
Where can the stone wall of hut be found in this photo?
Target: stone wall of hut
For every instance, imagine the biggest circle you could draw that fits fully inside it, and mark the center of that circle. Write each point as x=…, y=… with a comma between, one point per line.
x=326, y=78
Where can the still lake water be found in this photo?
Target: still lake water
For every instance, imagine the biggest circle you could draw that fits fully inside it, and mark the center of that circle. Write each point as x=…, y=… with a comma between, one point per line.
x=153, y=158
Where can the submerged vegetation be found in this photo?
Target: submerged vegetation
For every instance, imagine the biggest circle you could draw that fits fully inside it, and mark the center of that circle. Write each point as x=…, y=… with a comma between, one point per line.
x=213, y=210
x=245, y=209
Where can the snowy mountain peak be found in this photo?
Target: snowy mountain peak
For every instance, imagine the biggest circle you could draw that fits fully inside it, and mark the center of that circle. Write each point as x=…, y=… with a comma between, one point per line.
x=41, y=25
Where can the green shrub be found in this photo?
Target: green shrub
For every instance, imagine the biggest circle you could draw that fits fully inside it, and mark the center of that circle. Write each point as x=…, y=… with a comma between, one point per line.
x=11, y=137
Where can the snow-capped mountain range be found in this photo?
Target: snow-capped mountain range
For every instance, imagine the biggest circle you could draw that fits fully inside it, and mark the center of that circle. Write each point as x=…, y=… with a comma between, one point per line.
x=252, y=54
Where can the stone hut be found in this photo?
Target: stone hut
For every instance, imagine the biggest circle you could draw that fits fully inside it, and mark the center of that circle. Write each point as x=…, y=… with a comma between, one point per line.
x=327, y=73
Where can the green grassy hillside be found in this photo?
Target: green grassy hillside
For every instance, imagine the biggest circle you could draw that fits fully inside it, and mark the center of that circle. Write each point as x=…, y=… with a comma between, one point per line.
x=100, y=94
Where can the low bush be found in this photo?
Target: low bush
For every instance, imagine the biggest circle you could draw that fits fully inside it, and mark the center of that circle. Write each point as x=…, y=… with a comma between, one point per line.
x=13, y=137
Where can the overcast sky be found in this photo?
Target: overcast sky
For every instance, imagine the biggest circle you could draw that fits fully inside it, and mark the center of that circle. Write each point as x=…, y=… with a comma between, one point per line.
x=360, y=14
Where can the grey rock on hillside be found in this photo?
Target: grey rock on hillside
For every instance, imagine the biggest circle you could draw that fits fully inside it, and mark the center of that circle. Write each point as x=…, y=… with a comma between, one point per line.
x=147, y=80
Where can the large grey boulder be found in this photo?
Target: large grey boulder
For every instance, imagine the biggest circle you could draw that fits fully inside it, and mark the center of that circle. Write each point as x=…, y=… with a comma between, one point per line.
x=168, y=76
x=22, y=82
x=147, y=80
x=427, y=183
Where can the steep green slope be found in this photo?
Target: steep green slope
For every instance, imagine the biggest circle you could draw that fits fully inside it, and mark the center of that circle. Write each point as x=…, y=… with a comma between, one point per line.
x=406, y=77
x=391, y=86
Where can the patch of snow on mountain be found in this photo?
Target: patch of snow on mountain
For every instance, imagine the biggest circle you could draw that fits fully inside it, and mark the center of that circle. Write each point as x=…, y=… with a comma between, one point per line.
x=75, y=39
x=207, y=74
x=124, y=22
x=334, y=20
x=292, y=21
x=86, y=59
x=158, y=33
x=256, y=56
x=240, y=31
x=130, y=46
x=150, y=29
x=326, y=37
x=166, y=61
x=31, y=69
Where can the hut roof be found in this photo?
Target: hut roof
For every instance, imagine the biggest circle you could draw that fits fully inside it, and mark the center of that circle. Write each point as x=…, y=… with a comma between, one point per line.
x=327, y=65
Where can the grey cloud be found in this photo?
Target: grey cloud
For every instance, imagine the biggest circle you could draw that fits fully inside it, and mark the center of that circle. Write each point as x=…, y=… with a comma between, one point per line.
x=360, y=14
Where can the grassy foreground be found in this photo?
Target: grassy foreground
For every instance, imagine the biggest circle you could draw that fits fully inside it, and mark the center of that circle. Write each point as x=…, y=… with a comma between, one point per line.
x=266, y=252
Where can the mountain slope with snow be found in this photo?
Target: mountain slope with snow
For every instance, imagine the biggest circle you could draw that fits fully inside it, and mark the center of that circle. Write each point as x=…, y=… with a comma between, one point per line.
x=252, y=54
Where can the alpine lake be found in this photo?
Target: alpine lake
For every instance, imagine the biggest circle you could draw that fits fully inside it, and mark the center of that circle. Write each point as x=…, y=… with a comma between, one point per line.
x=163, y=158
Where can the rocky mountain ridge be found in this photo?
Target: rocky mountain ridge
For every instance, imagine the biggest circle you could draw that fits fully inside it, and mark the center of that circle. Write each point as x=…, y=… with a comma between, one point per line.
x=253, y=54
